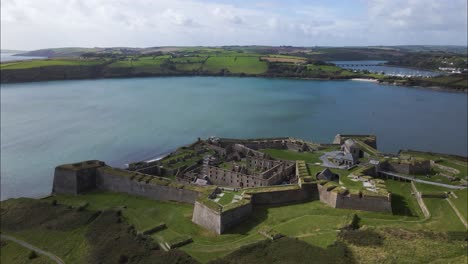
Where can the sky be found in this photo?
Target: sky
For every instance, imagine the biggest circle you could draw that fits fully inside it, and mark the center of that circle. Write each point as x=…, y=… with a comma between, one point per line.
x=35, y=24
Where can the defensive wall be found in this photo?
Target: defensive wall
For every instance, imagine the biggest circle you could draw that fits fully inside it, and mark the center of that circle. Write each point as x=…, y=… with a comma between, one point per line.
x=370, y=140
x=283, y=194
x=337, y=198
x=218, y=220
x=408, y=167
x=85, y=176
x=274, y=143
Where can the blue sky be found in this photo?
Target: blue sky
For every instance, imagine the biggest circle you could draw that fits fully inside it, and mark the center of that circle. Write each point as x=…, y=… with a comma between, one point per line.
x=32, y=24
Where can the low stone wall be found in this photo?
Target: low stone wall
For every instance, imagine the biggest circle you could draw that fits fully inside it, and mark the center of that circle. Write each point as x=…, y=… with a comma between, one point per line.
x=355, y=201
x=421, y=203
x=111, y=182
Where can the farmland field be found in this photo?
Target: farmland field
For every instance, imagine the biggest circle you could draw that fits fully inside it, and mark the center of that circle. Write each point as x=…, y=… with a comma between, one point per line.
x=250, y=65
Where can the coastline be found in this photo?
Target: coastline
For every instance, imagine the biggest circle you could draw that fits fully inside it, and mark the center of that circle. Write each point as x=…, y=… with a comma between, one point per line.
x=364, y=80
x=434, y=88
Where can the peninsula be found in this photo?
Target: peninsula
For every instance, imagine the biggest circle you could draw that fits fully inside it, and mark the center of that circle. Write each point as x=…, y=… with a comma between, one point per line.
x=220, y=199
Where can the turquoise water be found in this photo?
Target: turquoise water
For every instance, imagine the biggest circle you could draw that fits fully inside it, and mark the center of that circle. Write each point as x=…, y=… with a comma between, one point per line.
x=123, y=120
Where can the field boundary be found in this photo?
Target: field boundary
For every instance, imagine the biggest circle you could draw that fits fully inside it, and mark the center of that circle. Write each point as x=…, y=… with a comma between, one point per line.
x=457, y=213
x=421, y=203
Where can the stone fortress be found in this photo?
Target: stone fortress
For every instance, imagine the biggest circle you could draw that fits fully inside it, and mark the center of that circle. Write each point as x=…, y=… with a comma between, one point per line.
x=226, y=178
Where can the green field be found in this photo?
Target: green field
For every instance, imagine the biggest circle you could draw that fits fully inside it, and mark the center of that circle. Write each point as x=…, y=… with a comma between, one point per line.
x=248, y=65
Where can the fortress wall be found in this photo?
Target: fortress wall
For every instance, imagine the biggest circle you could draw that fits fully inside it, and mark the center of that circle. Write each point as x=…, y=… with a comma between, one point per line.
x=272, y=144
x=235, y=216
x=118, y=183
x=326, y=196
x=294, y=146
x=64, y=181
x=364, y=203
x=268, y=173
x=207, y=217
x=152, y=170
x=422, y=167
x=76, y=178
x=262, y=163
x=280, y=176
x=370, y=140
x=371, y=171
x=86, y=180
x=223, y=177
x=247, y=150
x=219, y=150
x=307, y=192
x=354, y=201
x=417, y=167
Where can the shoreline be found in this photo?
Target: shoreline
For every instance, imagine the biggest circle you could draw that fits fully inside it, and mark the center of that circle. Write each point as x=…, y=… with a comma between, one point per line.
x=364, y=80
x=434, y=88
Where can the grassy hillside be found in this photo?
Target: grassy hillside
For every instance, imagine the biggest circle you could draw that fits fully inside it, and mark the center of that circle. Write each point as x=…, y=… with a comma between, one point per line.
x=10, y=252
x=67, y=229
x=289, y=62
x=79, y=235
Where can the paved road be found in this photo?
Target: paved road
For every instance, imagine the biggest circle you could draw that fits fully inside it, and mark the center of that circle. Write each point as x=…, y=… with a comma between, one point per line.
x=31, y=247
x=411, y=178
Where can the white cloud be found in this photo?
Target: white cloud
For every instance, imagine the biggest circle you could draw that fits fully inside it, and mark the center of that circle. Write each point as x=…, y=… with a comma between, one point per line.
x=31, y=24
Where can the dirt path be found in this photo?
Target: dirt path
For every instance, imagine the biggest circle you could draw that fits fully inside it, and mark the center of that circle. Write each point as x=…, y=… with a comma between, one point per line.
x=31, y=247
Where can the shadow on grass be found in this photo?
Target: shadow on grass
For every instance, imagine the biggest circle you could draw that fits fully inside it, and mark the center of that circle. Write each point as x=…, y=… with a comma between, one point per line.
x=288, y=250
x=400, y=206
x=258, y=216
x=359, y=237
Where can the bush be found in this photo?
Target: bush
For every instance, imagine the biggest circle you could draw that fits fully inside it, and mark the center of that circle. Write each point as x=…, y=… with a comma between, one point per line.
x=32, y=255
x=123, y=259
